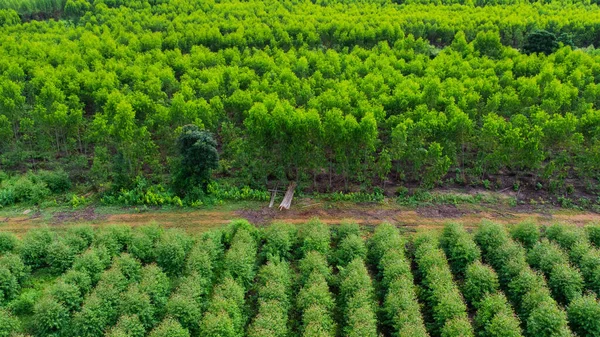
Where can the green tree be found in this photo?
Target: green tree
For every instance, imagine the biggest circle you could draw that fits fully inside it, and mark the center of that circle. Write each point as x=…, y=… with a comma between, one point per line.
x=198, y=157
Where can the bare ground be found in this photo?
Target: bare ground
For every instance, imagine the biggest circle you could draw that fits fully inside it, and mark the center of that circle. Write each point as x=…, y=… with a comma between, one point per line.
x=422, y=217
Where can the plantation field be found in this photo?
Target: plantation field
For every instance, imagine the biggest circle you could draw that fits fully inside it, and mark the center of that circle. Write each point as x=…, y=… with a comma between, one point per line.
x=305, y=280
x=187, y=103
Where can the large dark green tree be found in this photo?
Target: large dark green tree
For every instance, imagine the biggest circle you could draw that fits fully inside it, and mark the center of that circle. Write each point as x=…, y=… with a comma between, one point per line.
x=198, y=157
x=540, y=41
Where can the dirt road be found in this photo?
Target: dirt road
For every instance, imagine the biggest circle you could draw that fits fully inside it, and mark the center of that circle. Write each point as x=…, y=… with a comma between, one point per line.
x=428, y=217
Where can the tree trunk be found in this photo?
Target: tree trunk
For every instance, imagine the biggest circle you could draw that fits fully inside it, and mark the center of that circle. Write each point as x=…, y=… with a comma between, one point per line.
x=287, y=199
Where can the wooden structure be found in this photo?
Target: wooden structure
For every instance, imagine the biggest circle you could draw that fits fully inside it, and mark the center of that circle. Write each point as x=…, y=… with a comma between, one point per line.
x=289, y=195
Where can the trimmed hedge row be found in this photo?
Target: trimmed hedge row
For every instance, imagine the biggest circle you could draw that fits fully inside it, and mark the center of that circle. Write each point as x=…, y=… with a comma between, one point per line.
x=274, y=301
x=315, y=302
x=565, y=281
x=526, y=289
x=401, y=311
x=445, y=304
x=188, y=301
x=494, y=316
x=357, y=300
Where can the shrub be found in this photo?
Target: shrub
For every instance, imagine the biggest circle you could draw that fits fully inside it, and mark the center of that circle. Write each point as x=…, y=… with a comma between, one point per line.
x=136, y=302
x=546, y=320
x=317, y=322
x=157, y=285
x=200, y=261
x=480, y=281
x=67, y=294
x=315, y=292
x=34, y=247
x=81, y=280
x=143, y=241
x=8, y=242
x=313, y=262
x=114, y=237
x=92, y=262
x=360, y=316
x=57, y=181
x=224, y=315
x=8, y=324
x=350, y=248
x=171, y=250
x=584, y=316
x=271, y=320
x=128, y=325
x=385, y=237
x=169, y=328
x=590, y=269
x=24, y=304
x=593, y=232
x=457, y=327
x=130, y=267
x=545, y=255
x=526, y=233
x=439, y=291
x=315, y=236
x=565, y=282
x=59, y=256
x=280, y=240
x=495, y=318
x=15, y=265
x=9, y=286
x=401, y=309
x=346, y=229
x=459, y=247
x=240, y=259
x=49, y=317
x=186, y=310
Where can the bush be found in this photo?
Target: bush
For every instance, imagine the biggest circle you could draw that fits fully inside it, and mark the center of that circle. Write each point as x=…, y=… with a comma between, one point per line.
x=169, y=328
x=480, y=281
x=224, y=315
x=459, y=247
x=545, y=255
x=34, y=247
x=350, y=248
x=157, y=285
x=546, y=320
x=130, y=267
x=495, y=318
x=8, y=242
x=526, y=233
x=16, y=267
x=57, y=181
x=9, y=286
x=401, y=309
x=186, y=310
x=143, y=241
x=565, y=282
x=584, y=316
x=136, y=302
x=457, y=327
x=346, y=229
x=49, y=317
x=313, y=262
x=590, y=269
x=81, y=280
x=317, y=322
x=128, y=325
x=593, y=232
x=171, y=250
x=24, y=304
x=315, y=292
x=200, y=261
x=385, y=237
x=59, y=256
x=315, y=236
x=240, y=259
x=67, y=294
x=114, y=237
x=273, y=301
x=92, y=262
x=439, y=291
x=280, y=240
x=8, y=324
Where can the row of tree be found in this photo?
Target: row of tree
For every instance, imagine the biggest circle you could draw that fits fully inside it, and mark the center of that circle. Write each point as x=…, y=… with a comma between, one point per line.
x=361, y=97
